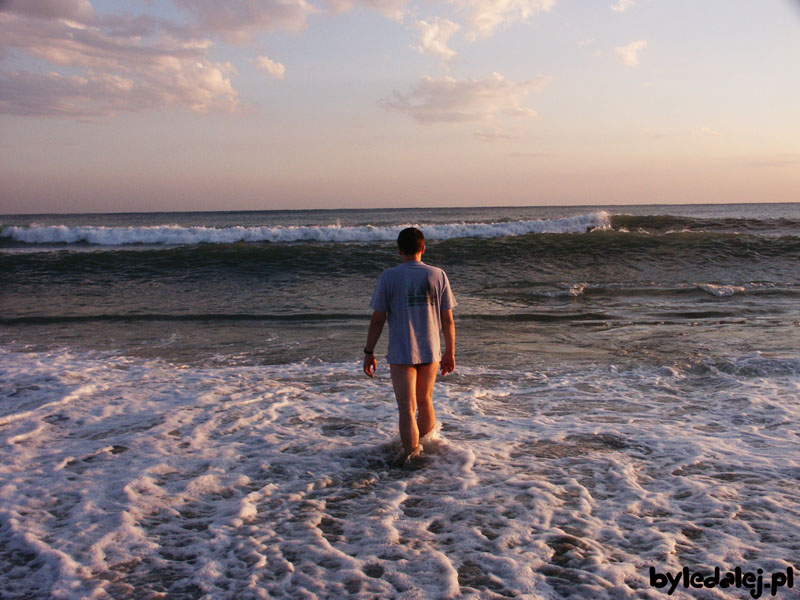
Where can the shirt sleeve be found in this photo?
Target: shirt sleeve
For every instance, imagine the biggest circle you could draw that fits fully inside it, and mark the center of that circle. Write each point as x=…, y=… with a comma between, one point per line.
x=448, y=300
x=380, y=300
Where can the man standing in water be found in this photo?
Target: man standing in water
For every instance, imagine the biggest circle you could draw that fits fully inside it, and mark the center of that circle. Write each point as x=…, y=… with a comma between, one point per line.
x=418, y=303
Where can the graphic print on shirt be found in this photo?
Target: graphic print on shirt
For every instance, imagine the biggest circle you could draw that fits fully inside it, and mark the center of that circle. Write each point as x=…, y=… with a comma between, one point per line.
x=422, y=296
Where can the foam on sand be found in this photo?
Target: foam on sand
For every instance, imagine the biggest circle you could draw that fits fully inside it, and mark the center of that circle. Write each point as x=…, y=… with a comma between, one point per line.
x=124, y=476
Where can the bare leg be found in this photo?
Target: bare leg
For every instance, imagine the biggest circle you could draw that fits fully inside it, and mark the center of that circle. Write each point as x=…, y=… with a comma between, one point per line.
x=426, y=377
x=404, y=381
x=413, y=384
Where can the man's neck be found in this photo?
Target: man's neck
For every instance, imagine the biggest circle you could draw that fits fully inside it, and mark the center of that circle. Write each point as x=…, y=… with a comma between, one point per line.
x=411, y=257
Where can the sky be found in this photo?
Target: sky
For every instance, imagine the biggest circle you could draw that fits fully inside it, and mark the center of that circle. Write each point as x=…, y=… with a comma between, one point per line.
x=167, y=105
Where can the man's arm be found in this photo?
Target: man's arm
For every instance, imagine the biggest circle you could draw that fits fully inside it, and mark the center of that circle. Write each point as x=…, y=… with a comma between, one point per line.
x=449, y=330
x=375, y=329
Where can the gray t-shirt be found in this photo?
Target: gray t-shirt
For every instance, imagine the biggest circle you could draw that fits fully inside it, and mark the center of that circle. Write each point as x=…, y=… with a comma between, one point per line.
x=412, y=295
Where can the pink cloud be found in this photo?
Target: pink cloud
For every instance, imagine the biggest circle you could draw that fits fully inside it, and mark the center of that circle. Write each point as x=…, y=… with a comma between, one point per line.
x=448, y=100
x=486, y=16
x=238, y=22
x=100, y=66
x=394, y=9
x=623, y=5
x=273, y=68
x=434, y=36
x=629, y=55
x=50, y=9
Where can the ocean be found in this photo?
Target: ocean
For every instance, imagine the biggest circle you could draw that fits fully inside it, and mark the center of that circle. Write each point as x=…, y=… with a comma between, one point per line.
x=183, y=412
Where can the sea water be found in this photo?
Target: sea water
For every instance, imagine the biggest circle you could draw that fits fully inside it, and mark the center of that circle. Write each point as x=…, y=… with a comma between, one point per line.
x=183, y=415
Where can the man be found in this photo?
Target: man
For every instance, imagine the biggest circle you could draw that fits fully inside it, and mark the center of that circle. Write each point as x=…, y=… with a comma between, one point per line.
x=417, y=301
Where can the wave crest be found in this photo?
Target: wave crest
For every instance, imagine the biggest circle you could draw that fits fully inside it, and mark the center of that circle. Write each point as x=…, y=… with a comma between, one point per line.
x=178, y=235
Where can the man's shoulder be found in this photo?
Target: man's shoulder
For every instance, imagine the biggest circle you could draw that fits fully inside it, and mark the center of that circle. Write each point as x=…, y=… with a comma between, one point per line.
x=397, y=271
x=391, y=271
x=435, y=270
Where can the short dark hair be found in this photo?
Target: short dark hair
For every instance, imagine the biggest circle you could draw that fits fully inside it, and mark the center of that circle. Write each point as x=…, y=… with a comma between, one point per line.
x=410, y=241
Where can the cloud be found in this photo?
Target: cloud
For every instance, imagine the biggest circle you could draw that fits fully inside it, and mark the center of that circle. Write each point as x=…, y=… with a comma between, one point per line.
x=238, y=21
x=448, y=100
x=485, y=16
x=31, y=94
x=434, y=36
x=81, y=10
x=104, y=94
x=275, y=69
x=623, y=5
x=629, y=55
x=704, y=132
x=198, y=87
x=100, y=66
x=394, y=9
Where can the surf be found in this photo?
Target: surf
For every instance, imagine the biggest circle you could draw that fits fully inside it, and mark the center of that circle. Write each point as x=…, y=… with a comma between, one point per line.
x=335, y=233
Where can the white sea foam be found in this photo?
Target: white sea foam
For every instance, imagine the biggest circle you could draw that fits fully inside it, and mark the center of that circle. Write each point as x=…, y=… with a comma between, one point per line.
x=721, y=291
x=129, y=478
x=174, y=234
x=571, y=291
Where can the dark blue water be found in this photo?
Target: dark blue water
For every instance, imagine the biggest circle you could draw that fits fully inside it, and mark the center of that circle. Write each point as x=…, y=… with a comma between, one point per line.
x=533, y=284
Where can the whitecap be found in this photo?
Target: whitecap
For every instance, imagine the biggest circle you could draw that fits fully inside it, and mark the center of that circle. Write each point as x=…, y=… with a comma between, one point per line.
x=721, y=290
x=336, y=233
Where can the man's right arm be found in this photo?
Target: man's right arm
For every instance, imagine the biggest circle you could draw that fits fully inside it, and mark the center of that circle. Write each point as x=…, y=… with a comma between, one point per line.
x=449, y=330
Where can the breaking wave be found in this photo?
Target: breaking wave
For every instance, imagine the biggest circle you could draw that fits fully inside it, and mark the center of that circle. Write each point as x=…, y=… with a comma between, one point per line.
x=178, y=235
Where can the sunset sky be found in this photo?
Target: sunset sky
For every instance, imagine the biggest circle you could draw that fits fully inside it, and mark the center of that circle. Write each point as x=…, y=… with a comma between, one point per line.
x=143, y=105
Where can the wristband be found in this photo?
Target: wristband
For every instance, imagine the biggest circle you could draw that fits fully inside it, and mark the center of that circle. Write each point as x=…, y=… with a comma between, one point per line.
x=368, y=351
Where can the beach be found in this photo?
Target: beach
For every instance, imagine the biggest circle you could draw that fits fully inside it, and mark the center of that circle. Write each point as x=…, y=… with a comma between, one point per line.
x=183, y=414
